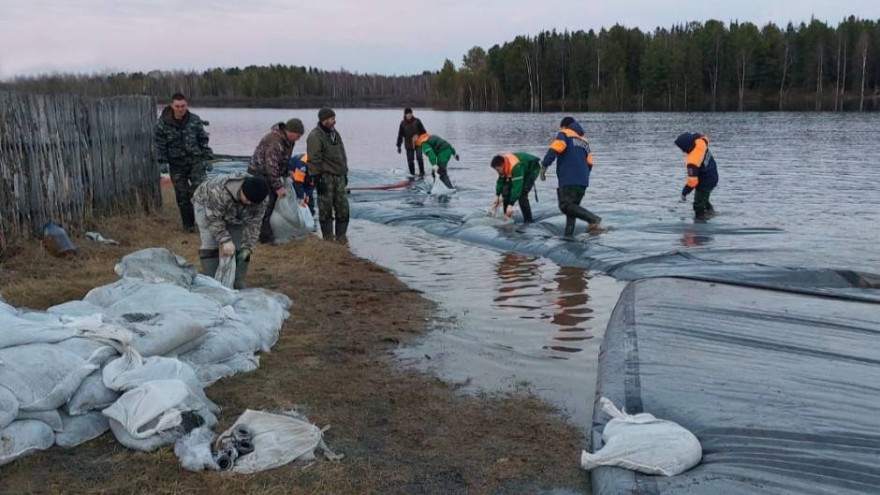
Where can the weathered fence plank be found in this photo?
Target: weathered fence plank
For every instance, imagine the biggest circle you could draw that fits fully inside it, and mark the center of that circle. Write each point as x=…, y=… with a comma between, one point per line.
x=70, y=158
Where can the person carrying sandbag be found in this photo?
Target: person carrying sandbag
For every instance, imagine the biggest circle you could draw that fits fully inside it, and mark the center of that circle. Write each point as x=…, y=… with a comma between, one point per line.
x=229, y=213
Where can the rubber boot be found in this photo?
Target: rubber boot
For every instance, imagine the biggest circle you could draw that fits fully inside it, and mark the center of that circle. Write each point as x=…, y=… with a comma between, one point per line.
x=209, y=259
x=241, y=269
x=341, y=229
x=187, y=218
x=327, y=230
x=570, y=222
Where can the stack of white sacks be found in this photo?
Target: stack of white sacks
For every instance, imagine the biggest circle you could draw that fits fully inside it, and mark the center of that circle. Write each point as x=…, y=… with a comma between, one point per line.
x=133, y=357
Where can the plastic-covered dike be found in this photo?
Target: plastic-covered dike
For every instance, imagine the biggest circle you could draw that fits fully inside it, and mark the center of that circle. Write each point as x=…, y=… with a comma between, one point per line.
x=779, y=387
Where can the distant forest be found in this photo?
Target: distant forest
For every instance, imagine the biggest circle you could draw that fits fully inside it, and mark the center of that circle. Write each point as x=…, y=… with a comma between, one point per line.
x=710, y=66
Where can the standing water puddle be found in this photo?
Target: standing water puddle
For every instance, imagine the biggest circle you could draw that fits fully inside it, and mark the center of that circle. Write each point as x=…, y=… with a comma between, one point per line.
x=507, y=322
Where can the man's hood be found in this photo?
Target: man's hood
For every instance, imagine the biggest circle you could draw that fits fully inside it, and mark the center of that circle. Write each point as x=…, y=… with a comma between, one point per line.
x=687, y=141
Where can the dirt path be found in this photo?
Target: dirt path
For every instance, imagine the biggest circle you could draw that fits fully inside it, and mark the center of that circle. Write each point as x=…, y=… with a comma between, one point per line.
x=400, y=432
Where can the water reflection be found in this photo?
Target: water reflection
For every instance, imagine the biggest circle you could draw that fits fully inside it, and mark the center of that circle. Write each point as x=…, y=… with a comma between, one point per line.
x=523, y=291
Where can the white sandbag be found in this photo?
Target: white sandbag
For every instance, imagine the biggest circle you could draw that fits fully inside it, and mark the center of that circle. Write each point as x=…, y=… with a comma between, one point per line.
x=440, y=189
x=208, y=287
x=51, y=418
x=133, y=300
x=80, y=429
x=644, y=443
x=24, y=437
x=194, y=450
x=92, y=395
x=87, y=349
x=209, y=373
x=164, y=334
x=43, y=377
x=288, y=222
x=157, y=265
x=224, y=342
x=263, y=311
x=153, y=408
x=278, y=440
x=226, y=271
x=8, y=407
x=131, y=371
x=75, y=308
x=20, y=329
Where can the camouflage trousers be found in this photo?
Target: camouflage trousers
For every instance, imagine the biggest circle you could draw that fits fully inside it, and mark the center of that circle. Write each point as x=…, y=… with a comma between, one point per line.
x=186, y=177
x=332, y=198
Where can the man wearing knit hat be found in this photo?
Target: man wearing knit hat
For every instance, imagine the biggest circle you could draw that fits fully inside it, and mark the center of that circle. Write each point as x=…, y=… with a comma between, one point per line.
x=228, y=212
x=270, y=162
x=328, y=163
x=409, y=127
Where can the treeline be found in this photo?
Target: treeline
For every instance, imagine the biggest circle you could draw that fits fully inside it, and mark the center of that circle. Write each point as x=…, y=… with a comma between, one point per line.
x=694, y=67
x=252, y=86
x=709, y=66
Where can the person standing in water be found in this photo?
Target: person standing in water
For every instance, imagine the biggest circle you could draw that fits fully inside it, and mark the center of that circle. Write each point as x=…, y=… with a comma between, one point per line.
x=702, y=172
x=409, y=127
x=517, y=173
x=574, y=162
x=438, y=151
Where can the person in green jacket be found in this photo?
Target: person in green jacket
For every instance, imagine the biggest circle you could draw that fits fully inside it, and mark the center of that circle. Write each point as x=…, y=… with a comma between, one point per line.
x=517, y=173
x=438, y=151
x=328, y=164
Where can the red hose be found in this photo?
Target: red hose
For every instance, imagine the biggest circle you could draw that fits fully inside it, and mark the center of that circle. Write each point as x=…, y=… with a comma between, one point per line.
x=399, y=185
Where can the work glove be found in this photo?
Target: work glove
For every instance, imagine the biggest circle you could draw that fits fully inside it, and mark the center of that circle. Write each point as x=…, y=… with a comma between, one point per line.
x=456, y=157
x=227, y=249
x=684, y=198
x=543, y=174
x=436, y=169
x=244, y=255
x=509, y=212
x=398, y=150
x=281, y=192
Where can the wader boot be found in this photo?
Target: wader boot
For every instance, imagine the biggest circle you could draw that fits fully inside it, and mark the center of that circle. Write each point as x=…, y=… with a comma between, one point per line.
x=569, y=227
x=209, y=259
x=341, y=229
x=241, y=269
x=327, y=230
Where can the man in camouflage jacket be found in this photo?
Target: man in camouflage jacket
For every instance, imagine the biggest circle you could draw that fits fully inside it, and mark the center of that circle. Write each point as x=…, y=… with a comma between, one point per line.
x=271, y=161
x=182, y=144
x=228, y=211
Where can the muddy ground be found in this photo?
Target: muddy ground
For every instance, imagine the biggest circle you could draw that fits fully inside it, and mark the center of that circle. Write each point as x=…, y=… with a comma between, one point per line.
x=401, y=432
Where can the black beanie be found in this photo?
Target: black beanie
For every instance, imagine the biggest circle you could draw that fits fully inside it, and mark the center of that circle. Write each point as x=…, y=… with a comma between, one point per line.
x=566, y=122
x=255, y=189
x=325, y=113
x=407, y=110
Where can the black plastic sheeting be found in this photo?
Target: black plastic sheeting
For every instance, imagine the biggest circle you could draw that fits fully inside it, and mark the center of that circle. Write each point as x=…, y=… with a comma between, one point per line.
x=782, y=389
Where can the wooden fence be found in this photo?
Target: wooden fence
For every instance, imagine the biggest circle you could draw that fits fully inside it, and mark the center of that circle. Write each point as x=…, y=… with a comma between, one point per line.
x=69, y=158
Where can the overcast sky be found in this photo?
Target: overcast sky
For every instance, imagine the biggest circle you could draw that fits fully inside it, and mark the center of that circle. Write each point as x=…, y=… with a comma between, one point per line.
x=383, y=36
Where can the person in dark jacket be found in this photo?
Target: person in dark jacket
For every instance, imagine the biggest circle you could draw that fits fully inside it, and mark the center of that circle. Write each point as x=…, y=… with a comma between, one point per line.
x=182, y=145
x=409, y=127
x=574, y=162
x=517, y=173
x=702, y=172
x=328, y=163
x=270, y=162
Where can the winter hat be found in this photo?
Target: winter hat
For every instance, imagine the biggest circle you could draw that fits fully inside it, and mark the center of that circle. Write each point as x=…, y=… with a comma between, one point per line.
x=407, y=111
x=295, y=125
x=325, y=113
x=566, y=122
x=255, y=189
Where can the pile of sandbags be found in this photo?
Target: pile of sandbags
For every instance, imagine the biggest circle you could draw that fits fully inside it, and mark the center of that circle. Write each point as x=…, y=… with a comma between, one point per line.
x=133, y=357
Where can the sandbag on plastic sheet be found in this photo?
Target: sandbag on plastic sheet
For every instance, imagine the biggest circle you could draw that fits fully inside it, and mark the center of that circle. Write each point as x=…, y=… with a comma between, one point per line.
x=289, y=220
x=779, y=387
x=17, y=329
x=157, y=265
x=77, y=430
x=278, y=440
x=91, y=395
x=24, y=437
x=151, y=415
x=42, y=377
x=643, y=443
